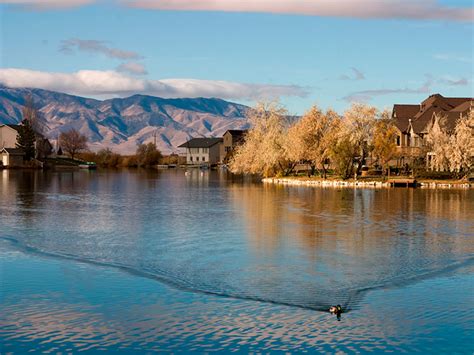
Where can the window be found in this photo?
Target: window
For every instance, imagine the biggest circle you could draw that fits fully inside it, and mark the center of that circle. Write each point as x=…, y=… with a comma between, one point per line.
x=203, y=158
x=190, y=158
x=398, y=140
x=197, y=158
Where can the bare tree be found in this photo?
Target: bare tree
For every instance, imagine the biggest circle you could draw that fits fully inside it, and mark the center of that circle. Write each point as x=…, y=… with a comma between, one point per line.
x=72, y=142
x=31, y=114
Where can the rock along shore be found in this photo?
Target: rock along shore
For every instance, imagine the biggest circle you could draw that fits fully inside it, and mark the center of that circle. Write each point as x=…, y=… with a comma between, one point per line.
x=362, y=184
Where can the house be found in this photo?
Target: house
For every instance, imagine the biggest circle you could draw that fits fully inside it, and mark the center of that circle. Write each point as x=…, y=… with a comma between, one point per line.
x=202, y=151
x=413, y=122
x=231, y=139
x=11, y=157
x=8, y=134
x=8, y=139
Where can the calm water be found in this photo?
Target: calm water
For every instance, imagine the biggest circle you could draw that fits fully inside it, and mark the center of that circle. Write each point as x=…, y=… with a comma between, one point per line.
x=129, y=261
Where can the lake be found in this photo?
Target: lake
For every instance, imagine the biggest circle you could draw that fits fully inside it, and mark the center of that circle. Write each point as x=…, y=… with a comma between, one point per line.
x=129, y=261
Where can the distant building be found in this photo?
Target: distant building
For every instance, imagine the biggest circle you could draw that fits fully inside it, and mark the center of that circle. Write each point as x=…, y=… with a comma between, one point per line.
x=11, y=157
x=231, y=139
x=8, y=134
x=202, y=151
x=414, y=121
x=8, y=138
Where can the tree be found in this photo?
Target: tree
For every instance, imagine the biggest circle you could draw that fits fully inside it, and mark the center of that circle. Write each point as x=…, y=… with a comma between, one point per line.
x=384, y=145
x=264, y=150
x=358, y=126
x=72, y=142
x=310, y=138
x=26, y=139
x=462, y=144
x=342, y=153
x=148, y=155
x=438, y=141
x=32, y=115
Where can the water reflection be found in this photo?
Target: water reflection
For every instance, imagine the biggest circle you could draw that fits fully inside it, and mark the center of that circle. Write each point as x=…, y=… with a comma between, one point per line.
x=225, y=235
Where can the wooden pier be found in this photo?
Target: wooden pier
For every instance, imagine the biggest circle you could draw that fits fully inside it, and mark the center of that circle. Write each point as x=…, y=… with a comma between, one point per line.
x=402, y=183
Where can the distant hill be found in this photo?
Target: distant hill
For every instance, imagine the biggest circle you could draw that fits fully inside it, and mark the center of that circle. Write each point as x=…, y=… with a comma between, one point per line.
x=122, y=123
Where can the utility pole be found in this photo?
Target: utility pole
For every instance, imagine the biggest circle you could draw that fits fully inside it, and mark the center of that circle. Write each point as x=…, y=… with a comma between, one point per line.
x=154, y=138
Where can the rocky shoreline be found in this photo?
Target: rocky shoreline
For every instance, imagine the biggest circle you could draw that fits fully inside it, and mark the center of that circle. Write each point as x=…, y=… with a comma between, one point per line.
x=363, y=184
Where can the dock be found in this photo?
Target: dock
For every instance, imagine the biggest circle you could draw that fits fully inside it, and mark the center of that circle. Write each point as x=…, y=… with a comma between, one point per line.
x=402, y=183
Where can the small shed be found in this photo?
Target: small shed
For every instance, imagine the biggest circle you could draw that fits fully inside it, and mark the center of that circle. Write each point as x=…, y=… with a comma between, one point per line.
x=12, y=157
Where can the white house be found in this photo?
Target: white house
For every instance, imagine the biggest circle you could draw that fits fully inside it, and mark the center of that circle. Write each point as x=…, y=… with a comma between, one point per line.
x=11, y=157
x=202, y=151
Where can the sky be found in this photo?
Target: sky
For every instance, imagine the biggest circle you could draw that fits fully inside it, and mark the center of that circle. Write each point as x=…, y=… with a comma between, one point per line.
x=303, y=52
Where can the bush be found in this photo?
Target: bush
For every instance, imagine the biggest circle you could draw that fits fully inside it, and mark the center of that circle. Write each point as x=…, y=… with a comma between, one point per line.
x=436, y=175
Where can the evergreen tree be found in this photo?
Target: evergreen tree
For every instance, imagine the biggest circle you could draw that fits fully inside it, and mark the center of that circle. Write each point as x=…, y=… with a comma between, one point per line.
x=26, y=139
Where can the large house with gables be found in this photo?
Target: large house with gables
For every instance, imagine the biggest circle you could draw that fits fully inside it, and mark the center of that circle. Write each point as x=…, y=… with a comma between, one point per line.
x=414, y=121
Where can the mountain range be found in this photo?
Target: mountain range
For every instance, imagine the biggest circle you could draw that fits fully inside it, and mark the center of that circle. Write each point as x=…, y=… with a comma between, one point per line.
x=123, y=123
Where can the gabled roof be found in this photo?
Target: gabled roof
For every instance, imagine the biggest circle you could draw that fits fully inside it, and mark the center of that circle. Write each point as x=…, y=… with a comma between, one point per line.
x=201, y=143
x=13, y=151
x=16, y=127
x=464, y=107
x=419, y=116
x=447, y=121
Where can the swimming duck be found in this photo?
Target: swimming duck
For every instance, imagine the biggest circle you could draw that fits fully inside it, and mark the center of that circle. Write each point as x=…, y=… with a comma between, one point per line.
x=336, y=309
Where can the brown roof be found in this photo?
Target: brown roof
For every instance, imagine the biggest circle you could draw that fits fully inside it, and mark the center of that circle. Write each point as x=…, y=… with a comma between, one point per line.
x=464, y=107
x=448, y=120
x=421, y=115
x=200, y=143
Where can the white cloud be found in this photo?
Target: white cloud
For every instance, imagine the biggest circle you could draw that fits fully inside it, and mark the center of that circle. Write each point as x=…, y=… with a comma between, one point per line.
x=400, y=9
x=106, y=84
x=363, y=9
x=132, y=68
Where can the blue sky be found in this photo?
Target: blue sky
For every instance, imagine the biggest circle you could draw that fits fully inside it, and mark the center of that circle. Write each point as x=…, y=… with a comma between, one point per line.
x=103, y=49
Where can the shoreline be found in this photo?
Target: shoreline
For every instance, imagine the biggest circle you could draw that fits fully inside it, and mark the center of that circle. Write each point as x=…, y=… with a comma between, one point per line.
x=424, y=184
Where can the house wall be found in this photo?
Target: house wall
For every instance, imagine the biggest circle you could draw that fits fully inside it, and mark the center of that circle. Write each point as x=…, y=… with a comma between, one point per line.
x=215, y=153
x=198, y=156
x=12, y=160
x=7, y=137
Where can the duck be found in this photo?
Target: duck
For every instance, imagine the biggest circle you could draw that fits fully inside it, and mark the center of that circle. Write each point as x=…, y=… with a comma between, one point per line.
x=336, y=309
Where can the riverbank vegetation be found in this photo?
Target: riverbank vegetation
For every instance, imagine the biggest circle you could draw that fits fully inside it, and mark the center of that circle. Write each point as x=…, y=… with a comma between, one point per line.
x=361, y=140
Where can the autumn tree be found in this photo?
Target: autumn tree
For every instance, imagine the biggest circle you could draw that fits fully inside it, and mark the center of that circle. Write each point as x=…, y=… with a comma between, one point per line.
x=438, y=141
x=359, y=121
x=148, y=155
x=384, y=142
x=462, y=145
x=72, y=142
x=310, y=139
x=26, y=139
x=342, y=152
x=264, y=150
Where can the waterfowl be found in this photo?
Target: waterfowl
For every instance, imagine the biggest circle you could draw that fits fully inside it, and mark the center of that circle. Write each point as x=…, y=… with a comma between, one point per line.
x=336, y=309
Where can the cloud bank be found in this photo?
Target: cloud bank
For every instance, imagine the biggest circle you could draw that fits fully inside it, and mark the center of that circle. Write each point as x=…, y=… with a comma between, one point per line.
x=107, y=84
x=363, y=9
